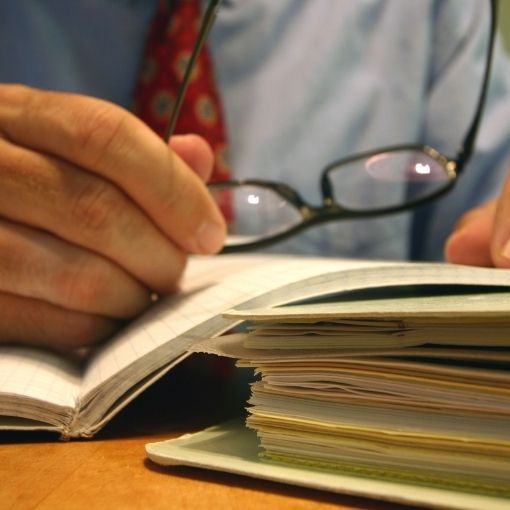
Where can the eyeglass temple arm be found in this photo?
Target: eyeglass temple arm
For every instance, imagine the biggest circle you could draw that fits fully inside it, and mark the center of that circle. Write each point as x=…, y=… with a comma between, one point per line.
x=205, y=27
x=469, y=140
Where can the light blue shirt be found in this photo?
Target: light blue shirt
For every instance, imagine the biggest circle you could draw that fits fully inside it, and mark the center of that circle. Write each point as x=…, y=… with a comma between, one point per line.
x=304, y=83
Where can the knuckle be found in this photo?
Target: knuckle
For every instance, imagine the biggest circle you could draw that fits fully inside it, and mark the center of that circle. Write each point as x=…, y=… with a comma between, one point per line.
x=81, y=285
x=21, y=168
x=97, y=129
x=95, y=207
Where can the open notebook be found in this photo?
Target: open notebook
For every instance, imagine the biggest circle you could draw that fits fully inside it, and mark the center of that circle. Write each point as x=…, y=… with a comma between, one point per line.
x=42, y=390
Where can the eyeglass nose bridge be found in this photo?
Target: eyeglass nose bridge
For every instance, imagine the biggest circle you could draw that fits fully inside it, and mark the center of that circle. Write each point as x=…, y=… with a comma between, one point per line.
x=330, y=210
x=310, y=213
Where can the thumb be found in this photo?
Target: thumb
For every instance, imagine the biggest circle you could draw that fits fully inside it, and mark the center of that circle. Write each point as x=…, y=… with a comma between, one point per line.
x=470, y=242
x=501, y=232
x=195, y=152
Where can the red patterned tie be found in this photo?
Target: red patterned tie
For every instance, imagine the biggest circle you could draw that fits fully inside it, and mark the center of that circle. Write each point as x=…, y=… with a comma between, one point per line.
x=170, y=42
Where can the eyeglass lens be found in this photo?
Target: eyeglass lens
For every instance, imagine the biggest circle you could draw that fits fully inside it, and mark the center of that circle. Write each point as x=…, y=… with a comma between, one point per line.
x=254, y=212
x=386, y=180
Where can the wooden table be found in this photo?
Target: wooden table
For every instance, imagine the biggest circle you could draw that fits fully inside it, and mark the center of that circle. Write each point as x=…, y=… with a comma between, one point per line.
x=111, y=471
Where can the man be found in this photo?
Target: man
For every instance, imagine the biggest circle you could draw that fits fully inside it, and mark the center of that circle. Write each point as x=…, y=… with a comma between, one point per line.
x=96, y=212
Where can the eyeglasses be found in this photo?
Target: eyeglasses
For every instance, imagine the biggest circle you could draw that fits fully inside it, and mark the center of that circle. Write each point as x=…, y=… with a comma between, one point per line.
x=260, y=213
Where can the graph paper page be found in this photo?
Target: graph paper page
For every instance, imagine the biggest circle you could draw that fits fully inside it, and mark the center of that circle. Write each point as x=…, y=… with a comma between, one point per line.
x=39, y=375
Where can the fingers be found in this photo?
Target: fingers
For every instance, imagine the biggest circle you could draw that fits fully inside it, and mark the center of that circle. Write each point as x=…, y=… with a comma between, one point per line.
x=482, y=236
x=80, y=207
x=95, y=210
x=500, y=244
x=38, y=266
x=33, y=322
x=195, y=152
x=470, y=242
x=113, y=144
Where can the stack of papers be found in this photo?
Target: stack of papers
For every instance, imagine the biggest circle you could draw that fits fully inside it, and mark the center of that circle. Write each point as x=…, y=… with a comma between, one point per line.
x=424, y=399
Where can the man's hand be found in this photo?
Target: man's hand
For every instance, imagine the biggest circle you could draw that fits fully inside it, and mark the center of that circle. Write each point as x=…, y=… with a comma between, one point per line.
x=482, y=236
x=95, y=213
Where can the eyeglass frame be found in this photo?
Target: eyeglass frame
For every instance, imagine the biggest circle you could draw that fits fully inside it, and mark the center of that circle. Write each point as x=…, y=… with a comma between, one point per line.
x=331, y=210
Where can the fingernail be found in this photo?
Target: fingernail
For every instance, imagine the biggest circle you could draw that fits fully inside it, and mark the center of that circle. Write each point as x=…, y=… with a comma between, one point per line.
x=210, y=237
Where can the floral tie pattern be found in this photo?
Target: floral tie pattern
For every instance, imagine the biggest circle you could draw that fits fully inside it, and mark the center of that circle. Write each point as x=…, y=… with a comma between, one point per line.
x=169, y=45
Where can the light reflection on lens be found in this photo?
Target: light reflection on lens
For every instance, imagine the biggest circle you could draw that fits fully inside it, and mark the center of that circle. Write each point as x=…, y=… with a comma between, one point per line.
x=387, y=180
x=401, y=166
x=253, y=199
x=423, y=169
x=254, y=212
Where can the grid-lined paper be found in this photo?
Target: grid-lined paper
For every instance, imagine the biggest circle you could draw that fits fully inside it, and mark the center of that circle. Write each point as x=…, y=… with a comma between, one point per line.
x=39, y=375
